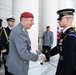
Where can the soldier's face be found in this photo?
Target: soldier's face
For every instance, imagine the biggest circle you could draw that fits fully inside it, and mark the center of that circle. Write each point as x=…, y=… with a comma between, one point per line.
x=47, y=28
x=63, y=22
x=11, y=23
x=29, y=22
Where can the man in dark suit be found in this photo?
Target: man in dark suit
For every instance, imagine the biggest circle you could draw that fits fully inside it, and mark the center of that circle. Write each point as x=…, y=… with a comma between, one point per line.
x=1, y=28
x=67, y=44
x=5, y=40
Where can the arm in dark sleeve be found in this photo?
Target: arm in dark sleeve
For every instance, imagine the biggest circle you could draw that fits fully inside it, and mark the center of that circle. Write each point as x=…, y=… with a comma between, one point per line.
x=52, y=52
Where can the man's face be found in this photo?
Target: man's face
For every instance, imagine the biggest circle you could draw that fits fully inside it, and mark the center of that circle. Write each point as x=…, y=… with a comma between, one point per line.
x=63, y=22
x=48, y=28
x=29, y=22
x=11, y=23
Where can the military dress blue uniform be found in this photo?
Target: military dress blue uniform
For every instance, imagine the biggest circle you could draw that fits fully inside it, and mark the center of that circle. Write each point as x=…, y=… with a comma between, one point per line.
x=67, y=51
x=66, y=46
x=5, y=45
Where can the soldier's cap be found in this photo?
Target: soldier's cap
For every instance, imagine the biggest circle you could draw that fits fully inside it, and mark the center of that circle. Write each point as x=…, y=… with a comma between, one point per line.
x=65, y=12
x=27, y=15
x=1, y=20
x=11, y=18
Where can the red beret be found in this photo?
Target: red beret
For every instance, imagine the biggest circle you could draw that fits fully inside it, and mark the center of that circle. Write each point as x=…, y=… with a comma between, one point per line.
x=27, y=15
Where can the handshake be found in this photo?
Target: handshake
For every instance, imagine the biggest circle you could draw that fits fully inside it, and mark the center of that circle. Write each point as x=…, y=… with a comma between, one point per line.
x=42, y=58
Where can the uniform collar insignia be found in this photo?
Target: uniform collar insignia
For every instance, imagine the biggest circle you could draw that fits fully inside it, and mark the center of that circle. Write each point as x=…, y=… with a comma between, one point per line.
x=23, y=29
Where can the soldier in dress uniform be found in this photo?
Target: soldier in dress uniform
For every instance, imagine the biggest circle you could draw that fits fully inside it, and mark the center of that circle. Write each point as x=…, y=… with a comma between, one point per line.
x=20, y=47
x=47, y=41
x=67, y=44
x=5, y=40
x=1, y=28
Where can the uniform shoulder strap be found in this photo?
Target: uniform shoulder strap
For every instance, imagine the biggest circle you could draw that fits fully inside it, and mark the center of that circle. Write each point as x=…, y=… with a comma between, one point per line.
x=6, y=35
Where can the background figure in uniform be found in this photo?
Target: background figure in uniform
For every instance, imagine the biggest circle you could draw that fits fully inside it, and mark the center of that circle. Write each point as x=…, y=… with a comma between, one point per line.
x=1, y=28
x=5, y=40
x=67, y=44
x=20, y=46
x=47, y=40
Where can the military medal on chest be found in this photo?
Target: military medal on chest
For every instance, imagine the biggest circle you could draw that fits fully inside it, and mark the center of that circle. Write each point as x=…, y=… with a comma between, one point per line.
x=60, y=44
x=61, y=41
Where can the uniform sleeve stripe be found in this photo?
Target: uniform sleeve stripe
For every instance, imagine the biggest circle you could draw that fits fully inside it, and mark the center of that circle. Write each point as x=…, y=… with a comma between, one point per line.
x=72, y=35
